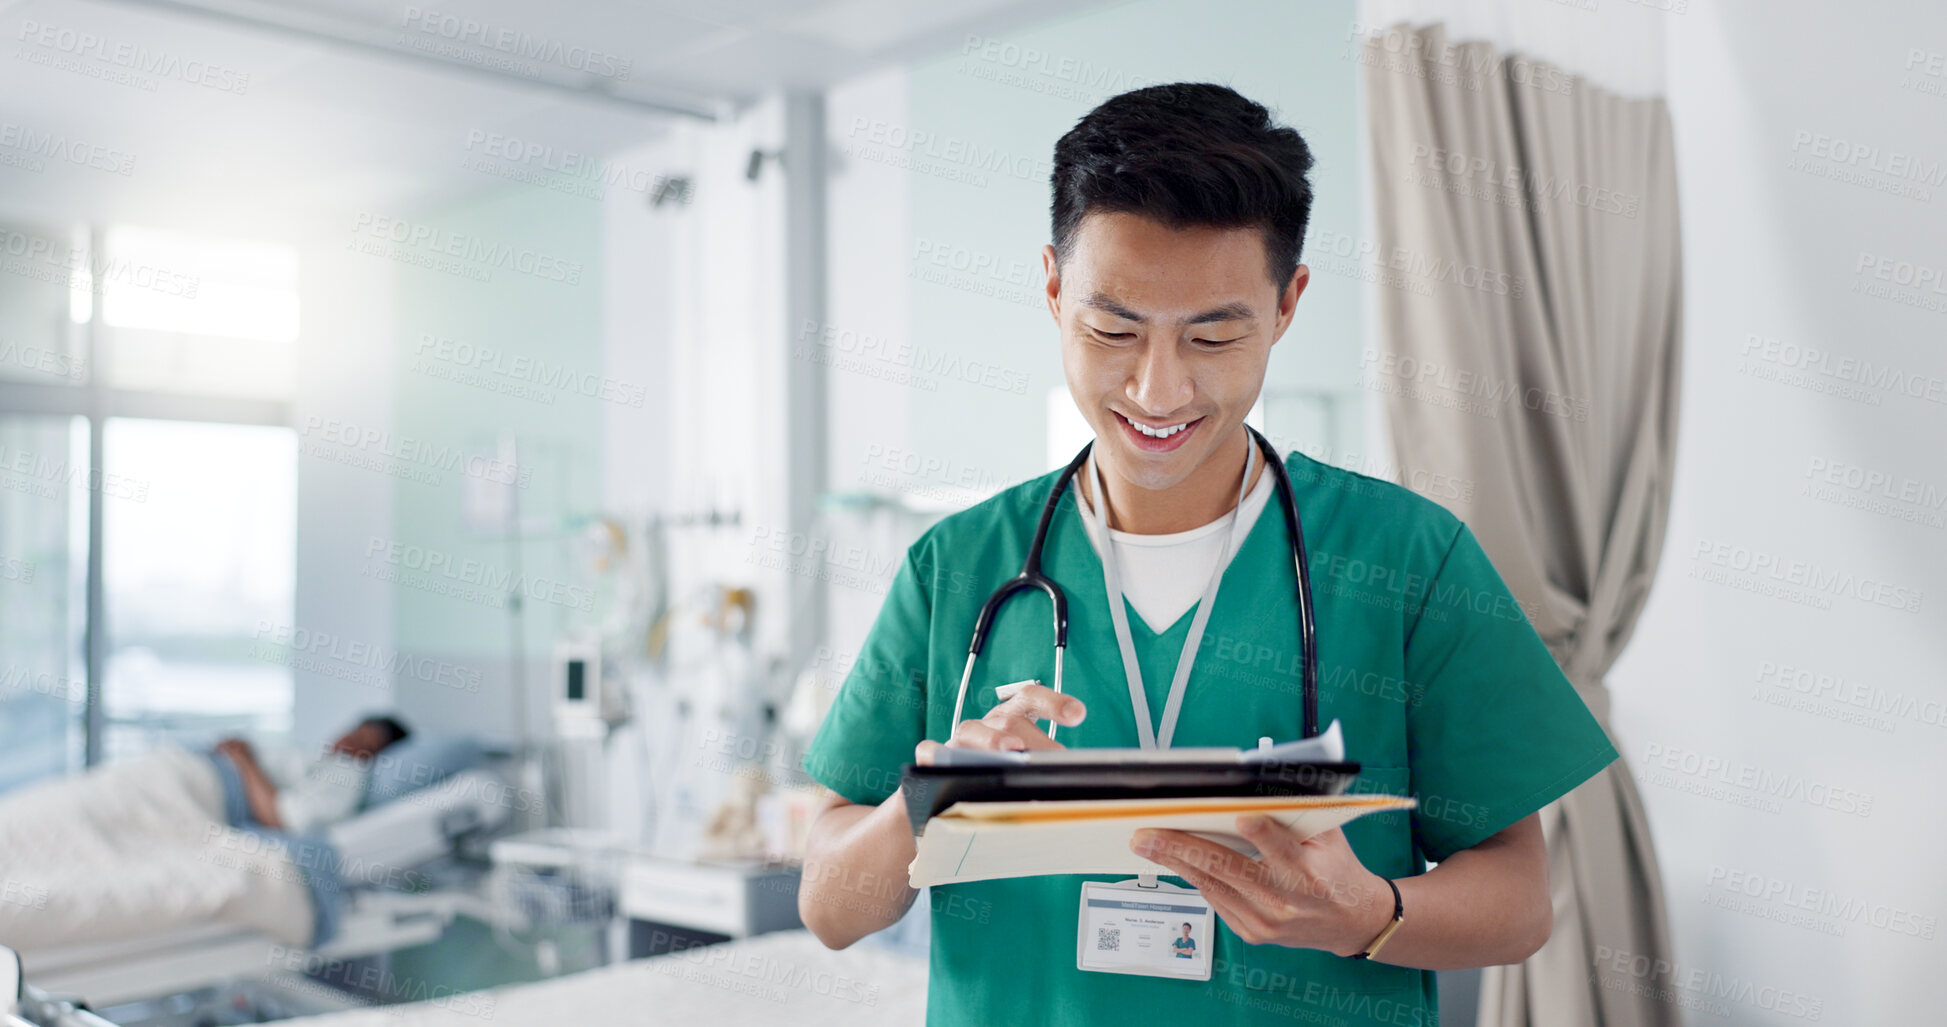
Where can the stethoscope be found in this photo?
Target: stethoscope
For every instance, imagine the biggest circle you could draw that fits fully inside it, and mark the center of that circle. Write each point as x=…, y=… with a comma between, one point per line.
x=1032, y=577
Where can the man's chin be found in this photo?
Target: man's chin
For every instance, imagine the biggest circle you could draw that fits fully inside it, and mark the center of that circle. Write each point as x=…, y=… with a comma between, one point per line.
x=1154, y=471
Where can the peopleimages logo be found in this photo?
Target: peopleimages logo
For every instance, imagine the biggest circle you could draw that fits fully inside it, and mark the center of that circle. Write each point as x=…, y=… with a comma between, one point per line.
x=355, y=974
x=1891, y=163
x=64, y=148
x=1717, y=561
x=135, y=62
x=466, y=578
x=573, y=164
x=45, y=475
x=1726, y=772
x=1837, y=909
x=323, y=652
x=834, y=346
x=40, y=359
x=950, y=148
x=468, y=31
x=1865, y=704
x=1400, y=49
x=1043, y=71
x=49, y=260
x=1696, y=987
x=434, y=241
x=378, y=449
x=1515, y=179
x=1844, y=370
x=523, y=369
x=1493, y=391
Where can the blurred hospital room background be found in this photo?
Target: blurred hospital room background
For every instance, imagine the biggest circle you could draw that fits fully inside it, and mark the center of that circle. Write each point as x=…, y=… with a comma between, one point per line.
x=566, y=382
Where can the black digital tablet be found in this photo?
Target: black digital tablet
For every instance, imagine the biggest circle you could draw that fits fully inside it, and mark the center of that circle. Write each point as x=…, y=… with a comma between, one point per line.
x=930, y=790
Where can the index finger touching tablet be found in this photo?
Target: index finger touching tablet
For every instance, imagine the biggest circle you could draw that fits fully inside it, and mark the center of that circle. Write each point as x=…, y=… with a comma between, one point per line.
x=1035, y=701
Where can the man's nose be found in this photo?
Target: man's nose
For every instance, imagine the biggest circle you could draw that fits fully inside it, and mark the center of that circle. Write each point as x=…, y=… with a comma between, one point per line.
x=1162, y=380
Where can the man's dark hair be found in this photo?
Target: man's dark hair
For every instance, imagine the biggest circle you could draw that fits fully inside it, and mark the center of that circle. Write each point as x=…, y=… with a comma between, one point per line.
x=1187, y=154
x=395, y=731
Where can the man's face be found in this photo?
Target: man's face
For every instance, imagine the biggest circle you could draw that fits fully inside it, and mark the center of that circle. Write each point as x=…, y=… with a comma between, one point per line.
x=363, y=741
x=1169, y=329
x=1186, y=931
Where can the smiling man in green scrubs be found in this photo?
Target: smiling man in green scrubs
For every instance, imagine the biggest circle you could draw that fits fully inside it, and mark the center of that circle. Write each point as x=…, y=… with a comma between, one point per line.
x=1178, y=214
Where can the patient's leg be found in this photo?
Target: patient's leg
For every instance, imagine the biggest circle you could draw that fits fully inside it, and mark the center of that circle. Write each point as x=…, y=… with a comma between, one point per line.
x=135, y=847
x=170, y=791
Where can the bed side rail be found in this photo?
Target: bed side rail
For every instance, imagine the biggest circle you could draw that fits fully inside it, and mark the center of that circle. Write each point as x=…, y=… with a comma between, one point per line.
x=25, y=1006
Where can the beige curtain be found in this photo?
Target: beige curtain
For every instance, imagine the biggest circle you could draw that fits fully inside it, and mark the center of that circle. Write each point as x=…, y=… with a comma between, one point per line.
x=1527, y=342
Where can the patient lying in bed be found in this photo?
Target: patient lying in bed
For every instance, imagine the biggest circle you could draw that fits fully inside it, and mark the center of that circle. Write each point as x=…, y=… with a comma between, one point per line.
x=281, y=790
x=152, y=843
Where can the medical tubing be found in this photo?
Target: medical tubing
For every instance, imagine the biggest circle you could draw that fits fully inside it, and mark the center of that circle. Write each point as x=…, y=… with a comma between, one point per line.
x=1307, y=630
x=961, y=700
x=1030, y=577
x=1059, y=649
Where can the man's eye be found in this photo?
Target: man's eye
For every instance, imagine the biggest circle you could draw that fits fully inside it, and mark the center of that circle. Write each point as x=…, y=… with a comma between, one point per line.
x=1214, y=342
x=1118, y=336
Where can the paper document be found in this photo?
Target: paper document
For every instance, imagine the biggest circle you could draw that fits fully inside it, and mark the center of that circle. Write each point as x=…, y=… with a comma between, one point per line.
x=987, y=840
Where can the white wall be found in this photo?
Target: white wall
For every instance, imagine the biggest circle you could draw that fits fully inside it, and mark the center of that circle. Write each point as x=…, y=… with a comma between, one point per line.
x=698, y=303
x=1782, y=733
x=725, y=422
x=637, y=264
x=940, y=354
x=1782, y=702
x=868, y=314
x=344, y=373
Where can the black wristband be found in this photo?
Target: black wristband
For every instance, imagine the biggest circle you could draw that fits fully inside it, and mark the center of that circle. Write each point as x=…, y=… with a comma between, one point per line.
x=1399, y=916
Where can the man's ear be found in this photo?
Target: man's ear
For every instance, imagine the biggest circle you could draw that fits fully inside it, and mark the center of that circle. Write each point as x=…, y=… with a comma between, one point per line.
x=1288, y=299
x=1051, y=270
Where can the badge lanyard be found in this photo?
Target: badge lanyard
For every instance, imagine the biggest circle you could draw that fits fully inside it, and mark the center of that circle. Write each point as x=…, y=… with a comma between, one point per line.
x=1159, y=738
x=1130, y=927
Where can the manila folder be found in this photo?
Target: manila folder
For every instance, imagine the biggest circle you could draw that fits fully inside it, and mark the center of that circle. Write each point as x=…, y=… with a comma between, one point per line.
x=986, y=840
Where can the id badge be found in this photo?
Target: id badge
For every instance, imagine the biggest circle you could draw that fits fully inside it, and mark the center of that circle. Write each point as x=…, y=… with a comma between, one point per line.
x=1157, y=931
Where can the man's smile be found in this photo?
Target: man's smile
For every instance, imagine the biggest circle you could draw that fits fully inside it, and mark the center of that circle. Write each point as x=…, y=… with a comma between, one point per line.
x=1161, y=438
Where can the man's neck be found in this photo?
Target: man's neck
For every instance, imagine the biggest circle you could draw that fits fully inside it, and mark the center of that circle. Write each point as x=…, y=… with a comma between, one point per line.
x=1207, y=494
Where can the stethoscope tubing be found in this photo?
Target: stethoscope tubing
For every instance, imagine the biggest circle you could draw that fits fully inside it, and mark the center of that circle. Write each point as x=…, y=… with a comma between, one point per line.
x=1031, y=576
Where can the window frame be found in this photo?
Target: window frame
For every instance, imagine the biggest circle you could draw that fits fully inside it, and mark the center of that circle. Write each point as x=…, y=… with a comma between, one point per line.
x=97, y=402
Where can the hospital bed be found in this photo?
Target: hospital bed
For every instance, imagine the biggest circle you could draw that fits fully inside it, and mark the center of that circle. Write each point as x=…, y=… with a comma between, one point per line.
x=785, y=978
x=172, y=962
x=404, y=830
x=22, y=1006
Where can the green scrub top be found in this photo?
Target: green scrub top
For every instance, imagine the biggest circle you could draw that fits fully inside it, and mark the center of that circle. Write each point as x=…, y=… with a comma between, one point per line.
x=1445, y=692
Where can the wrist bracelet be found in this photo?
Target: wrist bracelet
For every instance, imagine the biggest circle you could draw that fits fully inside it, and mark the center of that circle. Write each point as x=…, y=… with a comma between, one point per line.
x=1399, y=917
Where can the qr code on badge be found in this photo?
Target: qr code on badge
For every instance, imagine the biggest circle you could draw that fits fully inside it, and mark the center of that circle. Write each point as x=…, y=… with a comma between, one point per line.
x=1108, y=939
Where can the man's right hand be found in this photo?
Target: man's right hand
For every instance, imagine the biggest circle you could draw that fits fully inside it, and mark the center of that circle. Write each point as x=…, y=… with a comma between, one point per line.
x=1011, y=726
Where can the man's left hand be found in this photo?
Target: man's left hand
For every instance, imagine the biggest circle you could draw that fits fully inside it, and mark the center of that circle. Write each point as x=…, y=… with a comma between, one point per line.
x=1311, y=893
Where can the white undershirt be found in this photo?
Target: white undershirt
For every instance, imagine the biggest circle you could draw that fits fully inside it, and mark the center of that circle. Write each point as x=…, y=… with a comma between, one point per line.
x=312, y=793
x=1164, y=575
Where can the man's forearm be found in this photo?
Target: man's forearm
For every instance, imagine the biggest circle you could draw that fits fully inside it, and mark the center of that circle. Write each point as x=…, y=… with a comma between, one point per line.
x=258, y=793
x=1480, y=907
x=855, y=879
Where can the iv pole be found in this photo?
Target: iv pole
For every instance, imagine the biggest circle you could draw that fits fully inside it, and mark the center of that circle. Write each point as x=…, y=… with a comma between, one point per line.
x=525, y=754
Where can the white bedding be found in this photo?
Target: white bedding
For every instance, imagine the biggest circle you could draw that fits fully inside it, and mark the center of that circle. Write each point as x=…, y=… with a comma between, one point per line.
x=137, y=847
x=783, y=978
